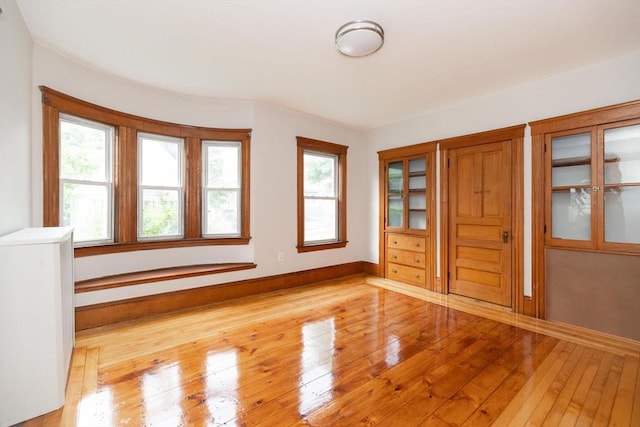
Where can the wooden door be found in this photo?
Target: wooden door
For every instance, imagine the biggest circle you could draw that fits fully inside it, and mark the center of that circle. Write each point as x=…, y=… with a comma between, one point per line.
x=480, y=237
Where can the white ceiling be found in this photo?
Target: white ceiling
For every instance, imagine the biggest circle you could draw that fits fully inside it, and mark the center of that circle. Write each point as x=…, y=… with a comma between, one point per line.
x=437, y=53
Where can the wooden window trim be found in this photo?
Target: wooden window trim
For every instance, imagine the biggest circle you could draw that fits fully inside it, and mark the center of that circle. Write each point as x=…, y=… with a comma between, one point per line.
x=570, y=122
x=329, y=148
x=125, y=174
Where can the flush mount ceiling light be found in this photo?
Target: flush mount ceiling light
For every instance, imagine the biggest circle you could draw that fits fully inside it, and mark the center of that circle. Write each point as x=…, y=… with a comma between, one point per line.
x=359, y=38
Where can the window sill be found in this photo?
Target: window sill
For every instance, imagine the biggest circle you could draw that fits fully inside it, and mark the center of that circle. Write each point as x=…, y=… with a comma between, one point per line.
x=149, y=276
x=148, y=245
x=321, y=246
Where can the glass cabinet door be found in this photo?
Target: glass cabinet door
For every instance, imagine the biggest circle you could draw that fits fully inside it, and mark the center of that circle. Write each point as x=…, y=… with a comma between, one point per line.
x=622, y=184
x=571, y=187
x=395, y=188
x=417, y=193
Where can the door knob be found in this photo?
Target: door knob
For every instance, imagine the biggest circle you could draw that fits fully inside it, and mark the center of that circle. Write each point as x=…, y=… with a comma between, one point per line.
x=505, y=237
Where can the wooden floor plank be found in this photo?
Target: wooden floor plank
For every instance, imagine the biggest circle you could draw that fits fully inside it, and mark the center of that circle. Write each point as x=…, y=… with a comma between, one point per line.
x=587, y=415
x=540, y=412
x=348, y=352
x=521, y=406
x=623, y=404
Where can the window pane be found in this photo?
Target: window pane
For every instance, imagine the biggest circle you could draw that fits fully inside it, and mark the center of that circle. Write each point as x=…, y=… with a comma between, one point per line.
x=223, y=215
x=622, y=155
x=160, y=162
x=84, y=151
x=571, y=214
x=622, y=214
x=86, y=208
x=320, y=220
x=571, y=160
x=222, y=163
x=320, y=175
x=160, y=213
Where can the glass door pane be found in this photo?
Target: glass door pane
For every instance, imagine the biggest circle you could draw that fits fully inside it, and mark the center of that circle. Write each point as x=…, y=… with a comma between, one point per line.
x=395, y=191
x=571, y=214
x=622, y=184
x=571, y=187
x=395, y=177
x=395, y=211
x=571, y=160
x=417, y=193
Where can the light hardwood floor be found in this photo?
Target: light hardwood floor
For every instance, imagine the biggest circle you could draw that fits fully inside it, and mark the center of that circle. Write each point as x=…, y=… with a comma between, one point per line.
x=356, y=351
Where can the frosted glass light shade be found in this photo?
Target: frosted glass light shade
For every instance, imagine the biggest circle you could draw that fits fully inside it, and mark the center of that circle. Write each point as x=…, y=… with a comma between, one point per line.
x=359, y=38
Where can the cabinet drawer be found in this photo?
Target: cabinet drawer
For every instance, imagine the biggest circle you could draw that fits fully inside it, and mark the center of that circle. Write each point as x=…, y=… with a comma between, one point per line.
x=402, y=273
x=412, y=259
x=405, y=242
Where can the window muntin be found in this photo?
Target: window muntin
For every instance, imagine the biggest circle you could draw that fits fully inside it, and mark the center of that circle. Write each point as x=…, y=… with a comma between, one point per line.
x=222, y=181
x=86, y=179
x=160, y=186
x=322, y=217
x=320, y=198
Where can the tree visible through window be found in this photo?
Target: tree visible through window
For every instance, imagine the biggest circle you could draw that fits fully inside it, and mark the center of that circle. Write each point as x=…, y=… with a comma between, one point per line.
x=321, y=195
x=85, y=179
x=160, y=172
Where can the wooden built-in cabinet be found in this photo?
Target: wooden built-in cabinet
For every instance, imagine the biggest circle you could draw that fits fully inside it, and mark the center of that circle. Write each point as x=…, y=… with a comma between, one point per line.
x=586, y=199
x=407, y=210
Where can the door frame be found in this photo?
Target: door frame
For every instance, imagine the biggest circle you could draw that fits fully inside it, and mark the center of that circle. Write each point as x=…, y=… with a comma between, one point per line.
x=514, y=134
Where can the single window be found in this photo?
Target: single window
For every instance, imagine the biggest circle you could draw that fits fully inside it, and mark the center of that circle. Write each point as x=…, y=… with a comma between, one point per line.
x=322, y=171
x=160, y=188
x=86, y=179
x=222, y=190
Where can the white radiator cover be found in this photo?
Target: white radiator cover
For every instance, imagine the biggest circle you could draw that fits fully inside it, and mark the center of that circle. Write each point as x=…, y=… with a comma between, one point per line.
x=36, y=321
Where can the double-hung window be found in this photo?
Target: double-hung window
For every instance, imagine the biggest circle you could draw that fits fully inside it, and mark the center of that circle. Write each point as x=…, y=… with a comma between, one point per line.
x=86, y=179
x=322, y=174
x=160, y=186
x=221, y=188
x=127, y=183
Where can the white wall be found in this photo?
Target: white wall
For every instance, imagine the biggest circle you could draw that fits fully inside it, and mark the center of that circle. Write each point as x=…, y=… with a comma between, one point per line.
x=595, y=86
x=273, y=178
x=273, y=166
x=15, y=120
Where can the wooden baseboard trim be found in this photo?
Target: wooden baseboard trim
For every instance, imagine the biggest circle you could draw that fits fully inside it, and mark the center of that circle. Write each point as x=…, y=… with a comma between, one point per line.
x=92, y=316
x=582, y=336
x=371, y=268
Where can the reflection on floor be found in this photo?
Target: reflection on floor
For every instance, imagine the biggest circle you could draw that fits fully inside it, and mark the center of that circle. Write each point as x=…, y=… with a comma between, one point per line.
x=356, y=351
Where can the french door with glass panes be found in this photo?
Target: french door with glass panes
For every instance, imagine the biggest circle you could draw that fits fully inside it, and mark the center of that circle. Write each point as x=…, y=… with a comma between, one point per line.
x=593, y=187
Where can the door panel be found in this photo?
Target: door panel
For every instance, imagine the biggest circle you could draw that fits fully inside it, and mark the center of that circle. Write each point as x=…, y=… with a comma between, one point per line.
x=479, y=215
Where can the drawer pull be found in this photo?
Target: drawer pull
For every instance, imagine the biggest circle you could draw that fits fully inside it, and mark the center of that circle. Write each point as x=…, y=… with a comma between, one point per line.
x=418, y=260
x=394, y=271
x=394, y=256
x=395, y=242
x=417, y=245
x=417, y=276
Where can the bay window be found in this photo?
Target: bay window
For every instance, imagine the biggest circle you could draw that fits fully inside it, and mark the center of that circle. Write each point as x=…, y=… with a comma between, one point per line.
x=128, y=183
